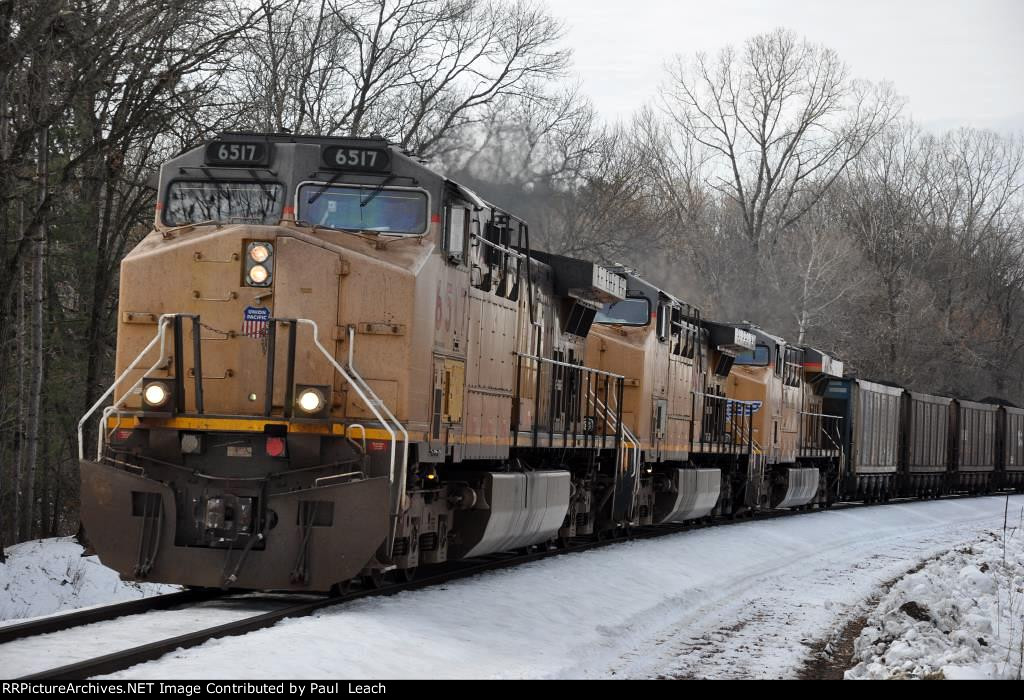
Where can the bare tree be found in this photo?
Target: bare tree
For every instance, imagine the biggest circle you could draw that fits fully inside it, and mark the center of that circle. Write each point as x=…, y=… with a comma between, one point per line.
x=974, y=208
x=292, y=74
x=414, y=71
x=541, y=140
x=780, y=120
x=815, y=271
x=676, y=173
x=126, y=48
x=91, y=90
x=607, y=213
x=883, y=205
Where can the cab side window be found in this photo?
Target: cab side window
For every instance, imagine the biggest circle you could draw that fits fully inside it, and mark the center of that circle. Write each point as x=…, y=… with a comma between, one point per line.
x=456, y=232
x=495, y=267
x=794, y=358
x=684, y=335
x=664, y=315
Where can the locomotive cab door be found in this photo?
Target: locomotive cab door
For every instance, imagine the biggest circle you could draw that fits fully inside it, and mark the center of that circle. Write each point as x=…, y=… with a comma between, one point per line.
x=445, y=402
x=662, y=377
x=683, y=358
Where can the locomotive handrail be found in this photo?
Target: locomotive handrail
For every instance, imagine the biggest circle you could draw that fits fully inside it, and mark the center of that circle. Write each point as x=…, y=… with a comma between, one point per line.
x=321, y=480
x=570, y=365
x=819, y=415
x=627, y=437
x=405, y=434
x=821, y=428
x=627, y=433
x=361, y=427
x=387, y=419
x=162, y=324
x=566, y=400
x=497, y=246
x=161, y=336
x=365, y=393
x=754, y=444
x=115, y=407
x=745, y=437
x=724, y=398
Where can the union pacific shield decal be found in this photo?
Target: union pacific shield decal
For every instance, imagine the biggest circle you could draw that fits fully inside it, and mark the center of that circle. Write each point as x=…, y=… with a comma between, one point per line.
x=254, y=321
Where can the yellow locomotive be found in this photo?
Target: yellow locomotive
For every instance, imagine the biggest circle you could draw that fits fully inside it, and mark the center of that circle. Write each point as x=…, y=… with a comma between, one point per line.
x=333, y=362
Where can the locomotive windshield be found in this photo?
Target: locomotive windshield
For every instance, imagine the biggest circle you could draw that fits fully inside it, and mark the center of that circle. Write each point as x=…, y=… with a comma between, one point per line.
x=370, y=208
x=759, y=357
x=628, y=312
x=209, y=200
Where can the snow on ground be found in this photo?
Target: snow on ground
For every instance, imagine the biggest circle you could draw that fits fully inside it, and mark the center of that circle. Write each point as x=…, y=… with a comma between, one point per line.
x=745, y=600
x=46, y=576
x=961, y=616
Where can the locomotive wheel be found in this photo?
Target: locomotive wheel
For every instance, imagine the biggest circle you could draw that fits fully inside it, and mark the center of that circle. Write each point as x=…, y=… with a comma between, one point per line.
x=373, y=580
x=340, y=589
x=406, y=575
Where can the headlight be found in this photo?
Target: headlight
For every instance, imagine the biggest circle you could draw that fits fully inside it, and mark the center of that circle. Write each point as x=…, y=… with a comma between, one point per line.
x=310, y=401
x=259, y=252
x=259, y=264
x=155, y=394
x=258, y=274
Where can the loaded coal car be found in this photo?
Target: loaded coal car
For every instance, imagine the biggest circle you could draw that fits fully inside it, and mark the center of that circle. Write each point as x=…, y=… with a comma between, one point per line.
x=870, y=430
x=904, y=443
x=974, y=452
x=1010, y=426
x=926, y=436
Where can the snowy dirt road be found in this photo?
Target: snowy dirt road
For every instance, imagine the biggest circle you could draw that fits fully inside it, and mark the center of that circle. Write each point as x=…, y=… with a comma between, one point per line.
x=739, y=601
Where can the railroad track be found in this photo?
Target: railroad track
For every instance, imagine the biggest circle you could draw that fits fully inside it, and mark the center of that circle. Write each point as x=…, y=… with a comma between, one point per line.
x=77, y=618
x=123, y=659
x=120, y=660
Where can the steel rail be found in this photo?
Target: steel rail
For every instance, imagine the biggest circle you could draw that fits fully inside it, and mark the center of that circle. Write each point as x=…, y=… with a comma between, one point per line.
x=77, y=618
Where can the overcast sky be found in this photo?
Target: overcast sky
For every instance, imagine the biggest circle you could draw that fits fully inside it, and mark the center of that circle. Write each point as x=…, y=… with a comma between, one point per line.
x=958, y=62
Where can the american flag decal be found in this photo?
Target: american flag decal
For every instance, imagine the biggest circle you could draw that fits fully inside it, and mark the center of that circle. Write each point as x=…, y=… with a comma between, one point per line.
x=741, y=408
x=254, y=321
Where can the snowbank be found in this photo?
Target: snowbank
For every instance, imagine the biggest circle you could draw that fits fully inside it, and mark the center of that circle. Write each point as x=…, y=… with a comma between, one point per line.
x=961, y=616
x=45, y=576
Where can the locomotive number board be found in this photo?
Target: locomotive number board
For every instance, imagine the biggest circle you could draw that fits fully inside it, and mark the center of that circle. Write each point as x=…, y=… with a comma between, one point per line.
x=356, y=158
x=237, y=153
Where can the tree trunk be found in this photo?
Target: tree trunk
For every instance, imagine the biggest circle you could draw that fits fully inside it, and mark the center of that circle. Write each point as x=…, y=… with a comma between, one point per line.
x=45, y=489
x=19, y=426
x=34, y=421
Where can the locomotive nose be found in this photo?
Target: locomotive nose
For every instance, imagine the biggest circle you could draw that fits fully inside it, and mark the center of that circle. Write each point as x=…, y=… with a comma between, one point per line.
x=207, y=533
